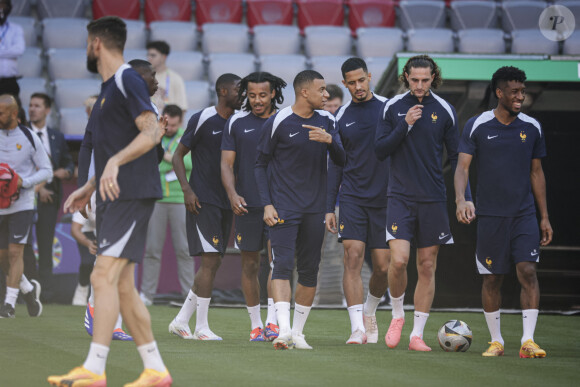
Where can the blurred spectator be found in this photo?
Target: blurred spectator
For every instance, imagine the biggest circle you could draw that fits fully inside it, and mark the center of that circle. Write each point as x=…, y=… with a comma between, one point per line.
x=335, y=98
x=171, y=86
x=12, y=46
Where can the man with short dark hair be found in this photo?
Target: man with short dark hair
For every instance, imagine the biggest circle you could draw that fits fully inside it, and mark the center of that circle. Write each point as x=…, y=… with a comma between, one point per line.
x=209, y=215
x=335, y=96
x=124, y=131
x=49, y=193
x=508, y=146
x=12, y=46
x=291, y=170
x=171, y=85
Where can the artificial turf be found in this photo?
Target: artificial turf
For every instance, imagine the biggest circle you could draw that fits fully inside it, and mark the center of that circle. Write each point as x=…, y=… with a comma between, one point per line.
x=33, y=348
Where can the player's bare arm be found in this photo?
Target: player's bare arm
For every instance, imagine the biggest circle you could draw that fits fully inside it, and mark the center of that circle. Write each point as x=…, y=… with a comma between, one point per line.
x=190, y=198
x=237, y=202
x=465, y=210
x=330, y=221
x=318, y=134
x=270, y=215
x=151, y=132
x=538, y=181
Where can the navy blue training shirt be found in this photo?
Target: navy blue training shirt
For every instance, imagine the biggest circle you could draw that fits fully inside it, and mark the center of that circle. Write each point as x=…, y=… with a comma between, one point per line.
x=364, y=178
x=503, y=155
x=112, y=126
x=417, y=151
x=203, y=137
x=241, y=135
x=290, y=168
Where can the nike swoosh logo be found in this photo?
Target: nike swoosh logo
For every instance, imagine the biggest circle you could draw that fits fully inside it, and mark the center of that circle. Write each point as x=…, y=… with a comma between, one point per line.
x=18, y=236
x=490, y=137
x=347, y=125
x=443, y=236
x=103, y=245
x=248, y=130
x=214, y=132
x=401, y=114
x=293, y=134
x=534, y=254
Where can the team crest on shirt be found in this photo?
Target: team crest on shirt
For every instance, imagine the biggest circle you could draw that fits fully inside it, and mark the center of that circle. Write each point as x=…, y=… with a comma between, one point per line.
x=341, y=227
x=394, y=228
x=523, y=136
x=215, y=240
x=18, y=146
x=434, y=117
x=488, y=262
x=280, y=221
x=102, y=102
x=239, y=238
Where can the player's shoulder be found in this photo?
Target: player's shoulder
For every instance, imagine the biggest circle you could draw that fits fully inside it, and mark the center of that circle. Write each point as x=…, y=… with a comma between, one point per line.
x=237, y=118
x=325, y=114
x=531, y=121
x=126, y=78
x=380, y=98
x=479, y=121
x=397, y=99
x=447, y=107
x=341, y=110
x=279, y=117
x=198, y=118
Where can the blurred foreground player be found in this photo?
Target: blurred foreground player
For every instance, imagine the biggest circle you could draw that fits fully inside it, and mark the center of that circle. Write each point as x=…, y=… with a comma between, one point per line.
x=508, y=147
x=125, y=130
x=291, y=171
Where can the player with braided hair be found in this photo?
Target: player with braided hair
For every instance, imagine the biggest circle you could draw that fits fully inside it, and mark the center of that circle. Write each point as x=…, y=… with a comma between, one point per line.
x=262, y=92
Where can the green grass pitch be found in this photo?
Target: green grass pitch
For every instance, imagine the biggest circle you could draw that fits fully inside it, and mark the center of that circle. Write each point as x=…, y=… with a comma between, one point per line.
x=33, y=348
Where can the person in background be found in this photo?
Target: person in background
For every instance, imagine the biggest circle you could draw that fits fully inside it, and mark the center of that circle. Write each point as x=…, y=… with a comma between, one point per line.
x=171, y=86
x=335, y=98
x=12, y=46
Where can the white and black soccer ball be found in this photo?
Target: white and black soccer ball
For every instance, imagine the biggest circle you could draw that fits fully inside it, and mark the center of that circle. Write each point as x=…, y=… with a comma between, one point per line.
x=455, y=336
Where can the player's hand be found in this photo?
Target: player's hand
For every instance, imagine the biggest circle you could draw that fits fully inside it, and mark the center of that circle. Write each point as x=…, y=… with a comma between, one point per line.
x=465, y=212
x=330, y=220
x=191, y=202
x=61, y=173
x=162, y=127
x=547, y=232
x=45, y=195
x=92, y=247
x=78, y=200
x=318, y=134
x=270, y=215
x=238, y=204
x=414, y=114
x=109, y=188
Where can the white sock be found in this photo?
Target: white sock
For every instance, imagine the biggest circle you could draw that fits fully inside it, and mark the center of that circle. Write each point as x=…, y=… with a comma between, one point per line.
x=397, y=303
x=529, y=318
x=97, y=358
x=255, y=318
x=355, y=313
x=283, y=316
x=371, y=305
x=151, y=356
x=119, y=323
x=92, y=297
x=493, y=324
x=188, y=309
x=271, y=317
x=419, y=322
x=25, y=285
x=300, y=315
x=11, y=296
x=202, y=311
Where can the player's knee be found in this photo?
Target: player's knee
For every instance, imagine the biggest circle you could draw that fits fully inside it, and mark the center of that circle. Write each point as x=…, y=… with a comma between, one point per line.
x=527, y=273
x=353, y=263
x=398, y=264
x=282, y=269
x=381, y=271
x=251, y=267
x=308, y=278
x=427, y=268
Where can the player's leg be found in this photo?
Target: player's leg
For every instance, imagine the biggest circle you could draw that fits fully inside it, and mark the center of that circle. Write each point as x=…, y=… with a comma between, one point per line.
x=156, y=232
x=202, y=288
x=251, y=290
x=185, y=265
x=397, y=274
x=45, y=228
x=353, y=288
x=271, y=330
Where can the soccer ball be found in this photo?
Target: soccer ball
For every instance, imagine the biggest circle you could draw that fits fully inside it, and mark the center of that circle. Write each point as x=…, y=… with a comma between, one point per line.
x=455, y=336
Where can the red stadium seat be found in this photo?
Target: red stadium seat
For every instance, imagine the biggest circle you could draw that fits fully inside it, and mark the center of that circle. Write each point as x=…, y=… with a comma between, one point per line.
x=371, y=13
x=320, y=12
x=269, y=12
x=218, y=11
x=160, y=10
x=127, y=9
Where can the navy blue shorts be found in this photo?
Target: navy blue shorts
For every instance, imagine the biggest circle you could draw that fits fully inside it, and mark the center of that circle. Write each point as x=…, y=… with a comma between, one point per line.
x=300, y=235
x=424, y=222
x=365, y=224
x=122, y=228
x=503, y=240
x=250, y=230
x=208, y=231
x=15, y=228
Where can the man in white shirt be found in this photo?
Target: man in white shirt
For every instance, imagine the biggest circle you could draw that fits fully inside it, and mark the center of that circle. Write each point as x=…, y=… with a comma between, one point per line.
x=171, y=86
x=12, y=46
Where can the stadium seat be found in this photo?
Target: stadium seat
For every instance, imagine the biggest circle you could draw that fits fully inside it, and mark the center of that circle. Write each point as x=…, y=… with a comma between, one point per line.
x=73, y=122
x=574, y=7
x=481, y=41
x=283, y=66
x=170, y=30
x=379, y=41
x=521, y=15
x=320, y=12
x=430, y=40
x=30, y=63
x=571, y=46
x=70, y=93
x=473, y=14
x=235, y=63
x=225, y=37
x=376, y=66
x=29, y=86
x=218, y=11
x=261, y=12
x=421, y=14
x=61, y=8
x=64, y=33
x=371, y=13
x=68, y=63
x=531, y=41
x=135, y=54
x=157, y=10
x=188, y=64
x=198, y=94
x=20, y=8
x=276, y=39
x=136, y=35
x=329, y=67
x=126, y=9
x=327, y=40
x=29, y=29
